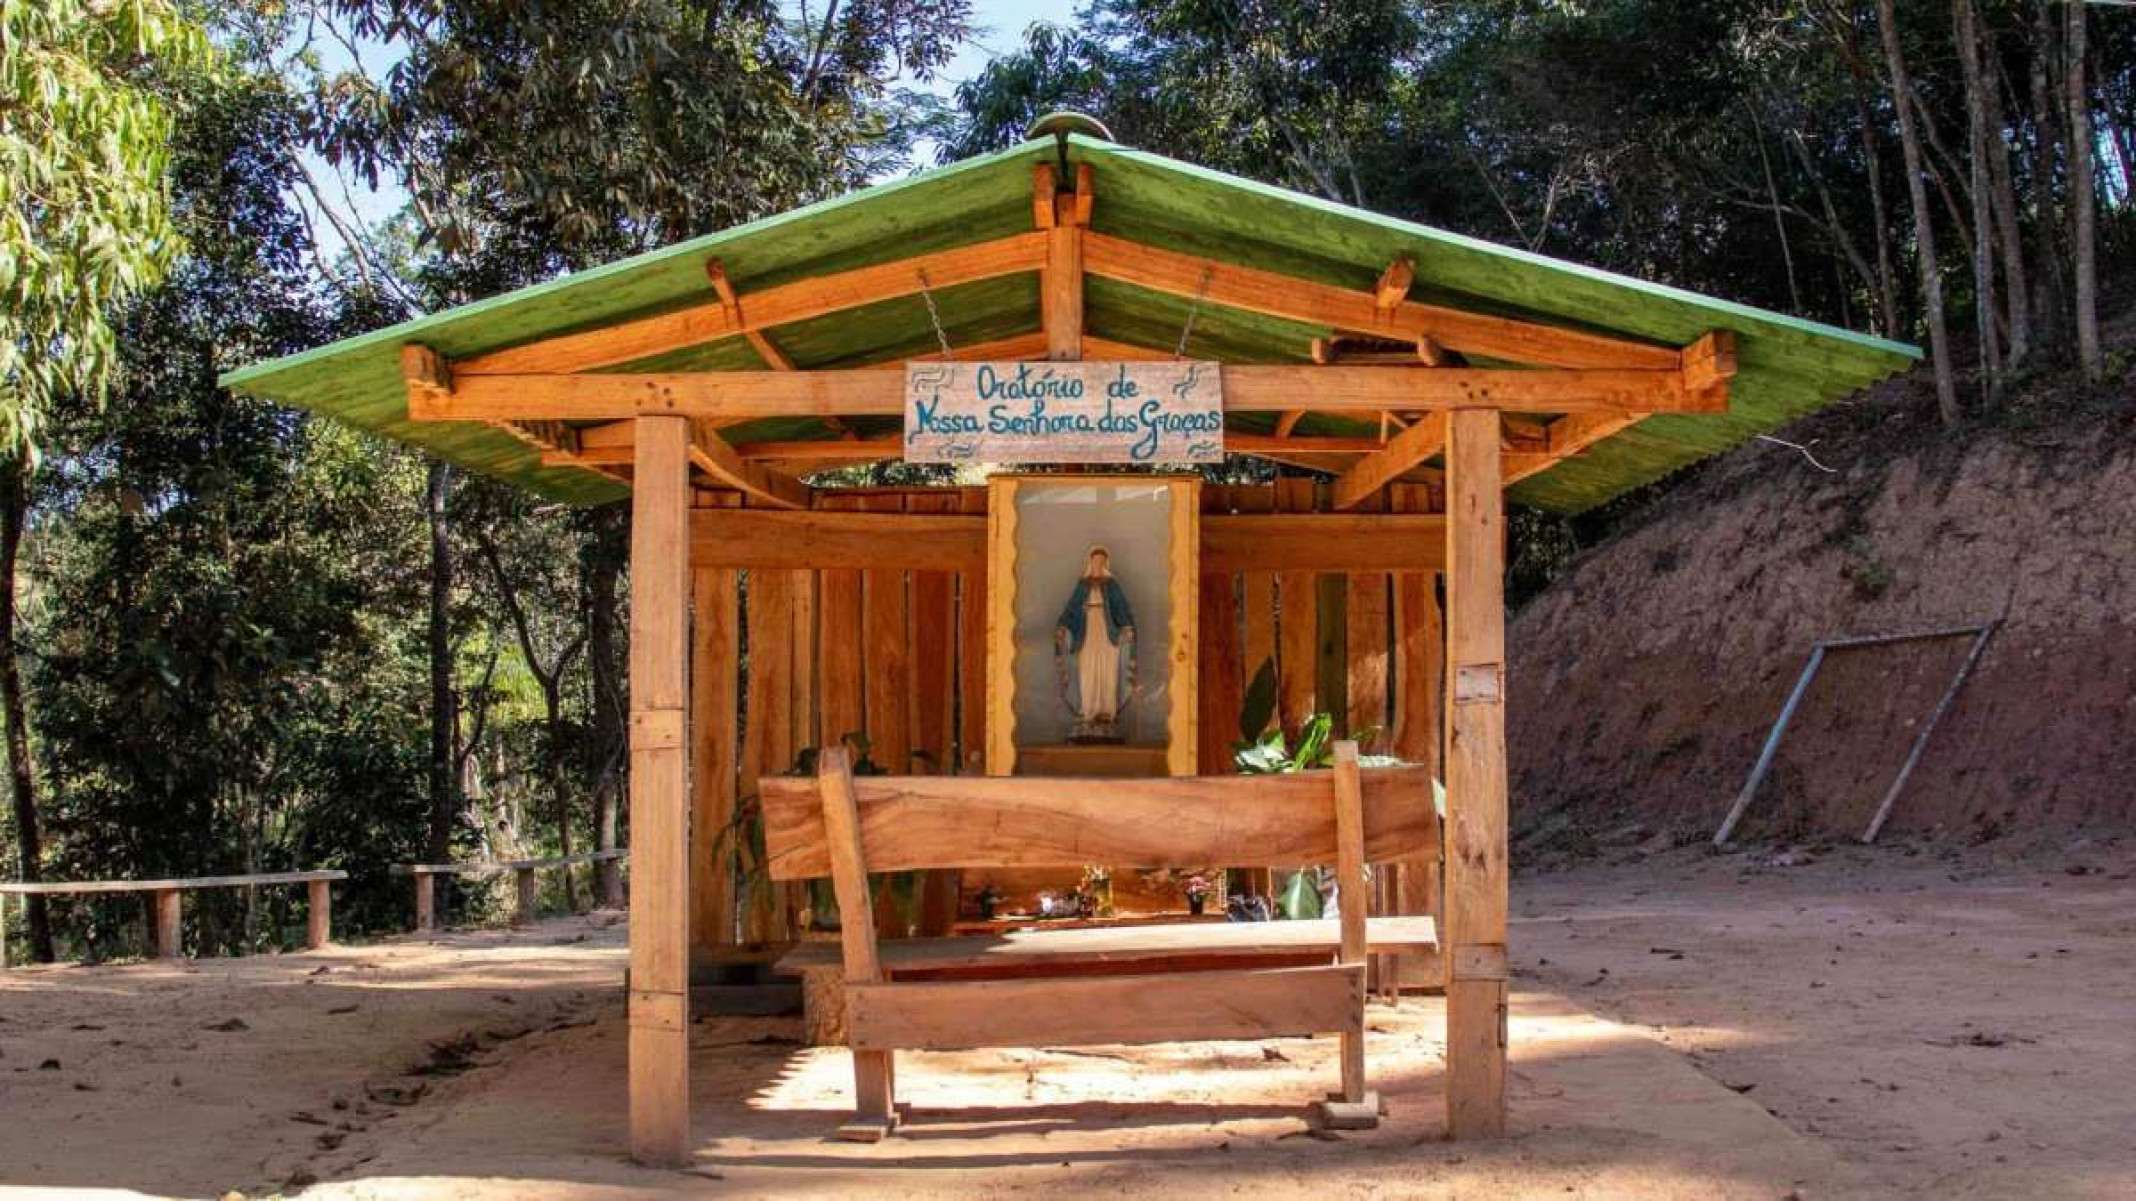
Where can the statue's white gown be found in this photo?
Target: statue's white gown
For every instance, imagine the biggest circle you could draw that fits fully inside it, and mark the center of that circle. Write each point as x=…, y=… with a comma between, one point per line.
x=1098, y=666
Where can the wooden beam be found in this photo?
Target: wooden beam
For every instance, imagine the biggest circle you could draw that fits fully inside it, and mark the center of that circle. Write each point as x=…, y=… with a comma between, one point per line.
x=1310, y=303
x=910, y=822
x=711, y=455
x=1060, y=295
x=798, y=301
x=1710, y=361
x=1045, y=185
x=427, y=376
x=1321, y=542
x=1476, y=899
x=1393, y=286
x=766, y=349
x=659, y=796
x=1404, y=451
x=1250, y=388
x=834, y=541
x=1565, y=438
x=1086, y=195
x=1253, y=444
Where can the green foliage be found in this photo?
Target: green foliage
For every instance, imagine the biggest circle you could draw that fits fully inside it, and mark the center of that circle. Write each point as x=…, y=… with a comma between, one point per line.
x=588, y=128
x=1300, y=898
x=1271, y=754
x=85, y=221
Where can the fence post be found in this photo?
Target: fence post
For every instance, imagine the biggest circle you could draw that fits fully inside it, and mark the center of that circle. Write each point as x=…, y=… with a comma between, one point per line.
x=425, y=901
x=169, y=911
x=319, y=928
x=523, y=879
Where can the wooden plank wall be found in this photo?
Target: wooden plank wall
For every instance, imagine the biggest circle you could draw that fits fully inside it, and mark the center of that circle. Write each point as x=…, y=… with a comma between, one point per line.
x=1366, y=647
x=785, y=660
x=826, y=654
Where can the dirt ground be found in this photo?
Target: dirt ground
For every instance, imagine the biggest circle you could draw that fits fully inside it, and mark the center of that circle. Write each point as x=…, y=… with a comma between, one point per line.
x=1864, y=1024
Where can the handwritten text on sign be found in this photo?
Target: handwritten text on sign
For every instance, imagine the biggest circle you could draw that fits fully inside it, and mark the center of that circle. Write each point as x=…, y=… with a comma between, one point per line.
x=1064, y=413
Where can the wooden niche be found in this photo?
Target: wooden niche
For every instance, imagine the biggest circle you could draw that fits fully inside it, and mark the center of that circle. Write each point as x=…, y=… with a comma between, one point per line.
x=1041, y=530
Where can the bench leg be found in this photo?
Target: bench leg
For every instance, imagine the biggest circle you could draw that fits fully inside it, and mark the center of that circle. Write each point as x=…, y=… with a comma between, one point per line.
x=523, y=880
x=1355, y=1107
x=170, y=915
x=875, y=1097
x=426, y=917
x=319, y=916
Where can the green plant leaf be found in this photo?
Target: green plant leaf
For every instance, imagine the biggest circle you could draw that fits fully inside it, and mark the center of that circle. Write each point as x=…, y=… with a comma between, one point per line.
x=1300, y=900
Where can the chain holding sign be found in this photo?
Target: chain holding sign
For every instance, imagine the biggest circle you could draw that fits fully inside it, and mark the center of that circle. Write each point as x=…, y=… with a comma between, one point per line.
x=1080, y=412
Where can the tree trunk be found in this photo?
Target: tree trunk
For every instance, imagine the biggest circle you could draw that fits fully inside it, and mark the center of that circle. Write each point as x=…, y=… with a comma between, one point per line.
x=1772, y=194
x=2051, y=322
x=604, y=578
x=552, y=700
x=1967, y=35
x=444, y=790
x=1873, y=163
x=2083, y=200
x=22, y=780
x=2017, y=291
x=1924, y=230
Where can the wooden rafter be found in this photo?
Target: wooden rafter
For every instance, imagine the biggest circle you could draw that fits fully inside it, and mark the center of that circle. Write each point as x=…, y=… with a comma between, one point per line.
x=711, y=454
x=1404, y=451
x=1568, y=436
x=1310, y=303
x=1247, y=389
x=1393, y=286
x=731, y=302
x=797, y=301
x=1710, y=362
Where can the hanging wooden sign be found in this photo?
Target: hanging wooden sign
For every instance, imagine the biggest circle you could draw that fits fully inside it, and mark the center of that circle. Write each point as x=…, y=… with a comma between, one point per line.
x=1064, y=412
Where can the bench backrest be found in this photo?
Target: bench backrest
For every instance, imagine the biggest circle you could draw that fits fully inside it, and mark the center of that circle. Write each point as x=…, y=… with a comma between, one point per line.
x=849, y=826
x=909, y=822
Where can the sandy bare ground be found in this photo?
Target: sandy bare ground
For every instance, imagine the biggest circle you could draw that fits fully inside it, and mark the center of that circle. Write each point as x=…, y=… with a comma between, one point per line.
x=1952, y=1026
x=491, y=1065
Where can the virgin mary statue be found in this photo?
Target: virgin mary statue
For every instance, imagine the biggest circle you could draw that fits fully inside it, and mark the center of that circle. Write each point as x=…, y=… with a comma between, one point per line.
x=1096, y=635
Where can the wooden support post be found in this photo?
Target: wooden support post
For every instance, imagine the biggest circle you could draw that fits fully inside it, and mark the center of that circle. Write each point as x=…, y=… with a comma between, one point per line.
x=874, y=1072
x=1353, y=1108
x=319, y=914
x=169, y=921
x=426, y=901
x=1475, y=925
x=527, y=894
x=659, y=794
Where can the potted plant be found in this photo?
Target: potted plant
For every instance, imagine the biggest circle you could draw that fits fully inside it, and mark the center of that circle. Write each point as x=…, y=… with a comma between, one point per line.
x=989, y=897
x=1197, y=889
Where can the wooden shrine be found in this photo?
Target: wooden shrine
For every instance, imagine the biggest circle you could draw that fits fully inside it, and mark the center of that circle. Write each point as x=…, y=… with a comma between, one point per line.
x=1333, y=409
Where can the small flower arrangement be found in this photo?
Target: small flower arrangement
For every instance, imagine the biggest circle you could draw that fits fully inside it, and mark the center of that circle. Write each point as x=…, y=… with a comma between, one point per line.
x=1198, y=888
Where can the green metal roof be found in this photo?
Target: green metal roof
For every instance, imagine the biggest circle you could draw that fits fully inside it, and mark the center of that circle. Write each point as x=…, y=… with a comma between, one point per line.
x=1787, y=366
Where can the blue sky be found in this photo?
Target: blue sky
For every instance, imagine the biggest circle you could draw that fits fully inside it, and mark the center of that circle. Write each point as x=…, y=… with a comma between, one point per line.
x=999, y=26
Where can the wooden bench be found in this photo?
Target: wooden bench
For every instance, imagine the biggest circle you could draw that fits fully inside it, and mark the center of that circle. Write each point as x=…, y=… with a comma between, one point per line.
x=166, y=908
x=426, y=874
x=1147, y=984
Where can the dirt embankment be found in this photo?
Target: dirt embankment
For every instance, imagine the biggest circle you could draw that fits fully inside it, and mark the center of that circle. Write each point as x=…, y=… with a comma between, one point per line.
x=1646, y=677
